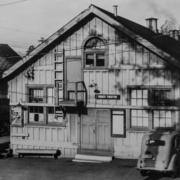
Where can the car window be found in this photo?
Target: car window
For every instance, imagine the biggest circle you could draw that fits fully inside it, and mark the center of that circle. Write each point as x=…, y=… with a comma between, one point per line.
x=153, y=142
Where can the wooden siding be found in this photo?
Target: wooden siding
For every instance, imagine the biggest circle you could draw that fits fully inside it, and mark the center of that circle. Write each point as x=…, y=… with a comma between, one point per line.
x=46, y=137
x=128, y=64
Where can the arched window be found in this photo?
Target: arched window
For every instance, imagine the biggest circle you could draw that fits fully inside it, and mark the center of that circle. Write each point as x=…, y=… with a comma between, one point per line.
x=95, y=53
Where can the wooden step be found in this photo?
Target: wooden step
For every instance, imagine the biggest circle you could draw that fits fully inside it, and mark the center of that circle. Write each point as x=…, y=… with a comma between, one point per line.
x=86, y=161
x=95, y=152
x=93, y=158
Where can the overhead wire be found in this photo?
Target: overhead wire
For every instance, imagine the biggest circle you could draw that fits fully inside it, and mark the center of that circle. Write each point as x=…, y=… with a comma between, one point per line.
x=12, y=3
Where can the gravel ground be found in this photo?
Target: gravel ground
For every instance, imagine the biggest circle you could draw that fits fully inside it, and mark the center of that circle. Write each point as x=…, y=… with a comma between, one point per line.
x=64, y=169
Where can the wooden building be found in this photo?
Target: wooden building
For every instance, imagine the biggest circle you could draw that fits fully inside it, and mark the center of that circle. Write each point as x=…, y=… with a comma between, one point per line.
x=8, y=57
x=96, y=85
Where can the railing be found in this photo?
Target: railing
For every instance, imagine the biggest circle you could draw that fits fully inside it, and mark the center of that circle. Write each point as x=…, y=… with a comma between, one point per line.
x=75, y=91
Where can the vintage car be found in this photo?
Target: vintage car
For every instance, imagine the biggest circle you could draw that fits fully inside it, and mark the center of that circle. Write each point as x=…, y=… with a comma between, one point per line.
x=159, y=152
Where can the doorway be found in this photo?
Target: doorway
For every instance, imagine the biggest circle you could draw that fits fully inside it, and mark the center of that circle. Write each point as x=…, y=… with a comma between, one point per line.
x=95, y=130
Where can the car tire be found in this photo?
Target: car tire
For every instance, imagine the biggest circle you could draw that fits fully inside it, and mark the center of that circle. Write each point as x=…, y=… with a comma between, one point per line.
x=142, y=172
x=175, y=171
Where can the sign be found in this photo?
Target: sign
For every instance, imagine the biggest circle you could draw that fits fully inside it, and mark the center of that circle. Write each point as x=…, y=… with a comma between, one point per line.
x=107, y=96
x=16, y=115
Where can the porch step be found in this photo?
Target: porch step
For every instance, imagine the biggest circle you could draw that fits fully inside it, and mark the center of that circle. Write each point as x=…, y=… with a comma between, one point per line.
x=86, y=161
x=91, y=158
x=95, y=152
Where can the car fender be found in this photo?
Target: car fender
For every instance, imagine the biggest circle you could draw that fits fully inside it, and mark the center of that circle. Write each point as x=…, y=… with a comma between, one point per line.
x=172, y=162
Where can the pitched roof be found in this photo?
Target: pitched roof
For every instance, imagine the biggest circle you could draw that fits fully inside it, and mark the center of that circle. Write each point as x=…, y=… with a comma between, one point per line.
x=164, y=46
x=8, y=57
x=163, y=42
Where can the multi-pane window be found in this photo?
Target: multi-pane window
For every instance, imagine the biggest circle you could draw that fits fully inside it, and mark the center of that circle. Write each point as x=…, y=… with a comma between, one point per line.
x=162, y=118
x=54, y=118
x=41, y=113
x=139, y=118
x=36, y=95
x=139, y=97
x=95, y=60
x=94, y=53
x=161, y=97
x=36, y=114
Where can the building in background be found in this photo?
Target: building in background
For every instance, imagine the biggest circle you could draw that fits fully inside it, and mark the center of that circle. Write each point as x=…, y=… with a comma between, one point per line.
x=95, y=86
x=8, y=57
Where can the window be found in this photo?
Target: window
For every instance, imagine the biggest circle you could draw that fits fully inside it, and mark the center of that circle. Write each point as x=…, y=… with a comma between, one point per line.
x=162, y=118
x=54, y=118
x=95, y=53
x=39, y=112
x=139, y=118
x=36, y=95
x=118, y=123
x=150, y=96
x=161, y=97
x=153, y=142
x=36, y=114
x=139, y=97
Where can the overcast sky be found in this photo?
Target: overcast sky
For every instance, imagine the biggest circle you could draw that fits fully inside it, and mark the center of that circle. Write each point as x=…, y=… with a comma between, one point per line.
x=24, y=22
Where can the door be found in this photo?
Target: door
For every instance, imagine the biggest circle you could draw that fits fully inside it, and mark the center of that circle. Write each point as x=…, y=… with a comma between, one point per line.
x=73, y=74
x=95, y=130
x=103, y=129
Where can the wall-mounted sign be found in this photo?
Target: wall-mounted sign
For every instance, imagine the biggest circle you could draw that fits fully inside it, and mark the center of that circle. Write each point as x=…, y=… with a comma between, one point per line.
x=16, y=116
x=107, y=96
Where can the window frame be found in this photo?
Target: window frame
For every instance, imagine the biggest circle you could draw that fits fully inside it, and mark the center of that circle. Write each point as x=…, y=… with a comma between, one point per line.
x=95, y=52
x=151, y=107
x=117, y=113
x=45, y=105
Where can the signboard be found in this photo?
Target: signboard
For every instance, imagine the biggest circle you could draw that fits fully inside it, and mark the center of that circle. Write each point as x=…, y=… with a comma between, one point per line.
x=16, y=115
x=107, y=96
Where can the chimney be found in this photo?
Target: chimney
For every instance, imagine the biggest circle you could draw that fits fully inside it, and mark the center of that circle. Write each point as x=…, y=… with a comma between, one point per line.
x=115, y=10
x=151, y=23
x=174, y=34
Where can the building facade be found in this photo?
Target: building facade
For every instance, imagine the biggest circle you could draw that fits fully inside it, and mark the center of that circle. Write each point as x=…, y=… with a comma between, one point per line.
x=99, y=83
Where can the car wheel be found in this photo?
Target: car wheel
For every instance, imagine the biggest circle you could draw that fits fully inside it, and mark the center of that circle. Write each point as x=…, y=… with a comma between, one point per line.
x=175, y=171
x=142, y=172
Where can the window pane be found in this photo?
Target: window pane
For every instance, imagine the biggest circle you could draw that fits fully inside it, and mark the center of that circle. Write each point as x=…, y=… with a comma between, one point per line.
x=133, y=93
x=139, y=102
x=100, y=60
x=145, y=102
x=134, y=122
x=145, y=94
x=168, y=122
x=145, y=122
x=50, y=95
x=140, y=122
x=162, y=122
x=89, y=60
x=156, y=122
x=139, y=93
x=36, y=95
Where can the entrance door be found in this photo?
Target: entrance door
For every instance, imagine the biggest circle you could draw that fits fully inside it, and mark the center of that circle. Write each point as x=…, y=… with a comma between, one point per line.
x=95, y=130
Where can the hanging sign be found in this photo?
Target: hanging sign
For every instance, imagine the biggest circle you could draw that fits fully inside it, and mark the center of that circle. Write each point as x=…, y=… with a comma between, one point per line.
x=16, y=115
x=107, y=96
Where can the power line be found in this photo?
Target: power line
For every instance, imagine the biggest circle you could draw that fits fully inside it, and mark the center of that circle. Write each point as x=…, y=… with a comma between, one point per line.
x=23, y=31
x=12, y=3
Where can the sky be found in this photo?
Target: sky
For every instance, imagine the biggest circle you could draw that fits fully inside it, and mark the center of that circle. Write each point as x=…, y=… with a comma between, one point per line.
x=24, y=22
